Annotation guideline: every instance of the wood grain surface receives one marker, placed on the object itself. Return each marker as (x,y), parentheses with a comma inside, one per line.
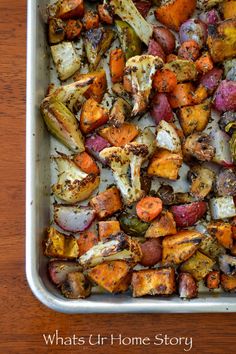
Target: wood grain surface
(23,319)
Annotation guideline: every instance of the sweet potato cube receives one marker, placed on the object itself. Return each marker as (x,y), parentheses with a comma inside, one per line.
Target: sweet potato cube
(182,95)
(173,13)
(222,40)
(86,240)
(119,136)
(114,276)
(163,226)
(195,118)
(199,265)
(223,232)
(228,282)
(70,9)
(228,9)
(98,86)
(178,248)
(60,245)
(153,282)
(93,115)
(107,228)
(213,279)
(165,164)
(107,202)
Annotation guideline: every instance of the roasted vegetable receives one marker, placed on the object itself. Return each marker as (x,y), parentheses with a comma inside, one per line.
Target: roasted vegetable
(199,146)
(86,163)
(211,80)
(230,69)
(193,29)
(127,11)
(92,116)
(228,9)
(117,64)
(164,80)
(211,247)
(204,63)
(133,226)
(121,110)
(178,248)
(153,282)
(163,226)
(221,143)
(90,20)
(59,245)
(227,264)
(97,41)
(73,185)
(73,218)
(76,286)
(207,4)
(160,108)
(198,265)
(86,240)
(148,208)
(165,164)
(189,50)
(73,29)
(107,203)
(227,122)
(210,17)
(56,30)
(155,49)
(202,179)
(225,96)
(94,144)
(117,247)
(70,8)
(222,208)
(62,123)
(213,280)
(151,252)
(173,13)
(66,59)
(108,228)
(58,270)
(139,71)
(183,95)
(223,232)
(222,39)
(188,214)
(130,42)
(226,183)
(184,70)
(187,286)
(167,137)
(167,195)
(165,38)
(114,276)
(143,6)
(228,282)
(119,136)
(98,85)
(195,118)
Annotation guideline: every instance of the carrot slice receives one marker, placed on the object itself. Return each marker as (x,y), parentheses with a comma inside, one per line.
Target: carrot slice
(117,64)
(148,208)
(86,163)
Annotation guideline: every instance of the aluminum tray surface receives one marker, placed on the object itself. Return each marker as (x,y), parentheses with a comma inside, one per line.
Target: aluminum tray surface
(40,175)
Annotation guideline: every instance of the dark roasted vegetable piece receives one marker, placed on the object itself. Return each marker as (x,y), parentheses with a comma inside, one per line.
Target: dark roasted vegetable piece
(199,146)
(152,252)
(97,41)
(132,225)
(130,42)
(187,286)
(58,270)
(153,282)
(76,286)
(202,179)
(143,6)
(213,280)
(56,30)
(165,38)
(226,183)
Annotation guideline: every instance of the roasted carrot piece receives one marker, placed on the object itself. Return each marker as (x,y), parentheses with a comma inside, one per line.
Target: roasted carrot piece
(164,81)
(105,13)
(90,20)
(70,9)
(228,282)
(117,65)
(86,163)
(107,202)
(148,208)
(171,57)
(204,63)
(86,241)
(93,115)
(119,136)
(189,50)
(182,95)
(223,232)
(213,279)
(73,29)
(97,89)
(200,94)
(107,228)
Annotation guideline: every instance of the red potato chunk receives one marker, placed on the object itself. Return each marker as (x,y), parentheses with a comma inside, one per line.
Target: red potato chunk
(188,214)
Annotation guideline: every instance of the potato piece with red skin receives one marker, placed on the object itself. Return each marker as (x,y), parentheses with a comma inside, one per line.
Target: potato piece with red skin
(213,279)
(155,49)
(160,108)
(188,288)
(152,252)
(143,6)
(188,214)
(165,38)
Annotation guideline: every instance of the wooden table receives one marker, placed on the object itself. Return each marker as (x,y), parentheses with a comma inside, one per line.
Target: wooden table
(23,319)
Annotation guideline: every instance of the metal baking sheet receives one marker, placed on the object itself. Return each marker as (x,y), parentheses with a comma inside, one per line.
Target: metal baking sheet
(39,176)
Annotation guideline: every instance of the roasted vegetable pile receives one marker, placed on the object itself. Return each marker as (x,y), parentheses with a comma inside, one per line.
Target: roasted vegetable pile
(151,104)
